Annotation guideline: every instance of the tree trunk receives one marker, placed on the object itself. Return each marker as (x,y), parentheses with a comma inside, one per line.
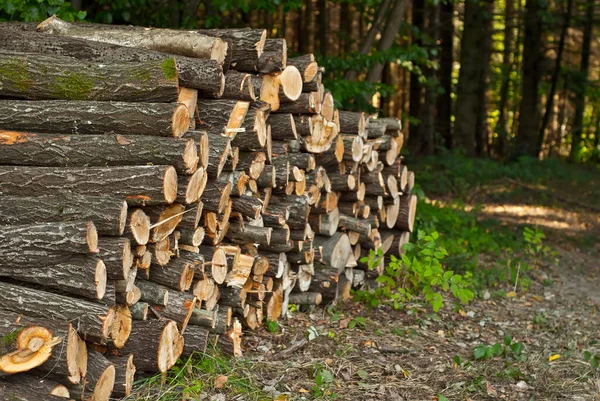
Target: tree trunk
(444,100)
(185,43)
(150,185)
(38,76)
(577,126)
(526,140)
(501,129)
(388,37)
(56,150)
(90,117)
(474,57)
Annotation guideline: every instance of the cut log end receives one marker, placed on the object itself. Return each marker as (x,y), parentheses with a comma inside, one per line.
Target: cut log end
(170,184)
(92,237)
(100,279)
(190,156)
(139,225)
(34,346)
(170,347)
(291,82)
(105,384)
(219,266)
(219,51)
(180,121)
(121,327)
(122,217)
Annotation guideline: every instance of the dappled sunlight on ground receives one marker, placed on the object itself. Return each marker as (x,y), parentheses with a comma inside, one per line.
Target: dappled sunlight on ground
(535,215)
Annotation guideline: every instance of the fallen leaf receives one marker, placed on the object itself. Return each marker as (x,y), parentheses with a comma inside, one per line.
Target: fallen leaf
(282,397)
(462,313)
(303,391)
(344,323)
(220,381)
(553,357)
(491,391)
(537,298)
(511,294)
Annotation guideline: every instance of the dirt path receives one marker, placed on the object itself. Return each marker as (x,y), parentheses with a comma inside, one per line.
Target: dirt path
(421,356)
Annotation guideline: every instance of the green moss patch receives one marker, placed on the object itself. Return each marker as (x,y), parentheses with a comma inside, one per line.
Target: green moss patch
(14,73)
(169,69)
(73,86)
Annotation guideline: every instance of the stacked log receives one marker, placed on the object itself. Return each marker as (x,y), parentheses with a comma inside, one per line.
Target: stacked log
(161,190)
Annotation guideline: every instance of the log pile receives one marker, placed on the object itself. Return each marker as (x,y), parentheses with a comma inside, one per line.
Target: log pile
(163,190)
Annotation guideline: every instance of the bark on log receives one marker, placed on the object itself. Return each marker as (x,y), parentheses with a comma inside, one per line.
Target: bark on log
(195,340)
(246,45)
(93,117)
(139,185)
(117,256)
(221,115)
(185,43)
(80,275)
(306,298)
(334,250)
(39,77)
(59,150)
(100,378)
(238,85)
(283,126)
(179,273)
(93,321)
(407,212)
(307,66)
(157,346)
(18,392)
(26,387)
(206,75)
(124,374)
(353,122)
(46,243)
(153,293)
(274,56)
(298,207)
(306,103)
(108,214)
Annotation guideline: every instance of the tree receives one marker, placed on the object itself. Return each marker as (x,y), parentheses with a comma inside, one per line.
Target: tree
(474,59)
(577,125)
(526,141)
(444,100)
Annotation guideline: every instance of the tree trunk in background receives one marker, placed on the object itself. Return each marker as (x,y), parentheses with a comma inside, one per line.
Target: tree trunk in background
(190,13)
(526,142)
(444,101)
(416,89)
(322,5)
(481,131)
(388,36)
(174,21)
(507,64)
(375,28)
(577,125)
(555,75)
(470,94)
(429,110)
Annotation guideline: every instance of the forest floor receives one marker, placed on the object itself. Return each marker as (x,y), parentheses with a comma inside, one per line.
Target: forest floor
(361,353)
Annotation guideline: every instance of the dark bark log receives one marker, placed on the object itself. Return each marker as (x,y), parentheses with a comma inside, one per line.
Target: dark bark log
(178,274)
(216,196)
(247,233)
(92,117)
(353,122)
(83,276)
(248,206)
(153,293)
(220,115)
(56,150)
(304,123)
(21,392)
(124,374)
(283,126)
(185,43)
(307,66)
(206,75)
(252,163)
(37,77)
(334,251)
(195,340)
(157,345)
(91,320)
(406,214)
(100,378)
(298,207)
(137,184)
(274,57)
(107,213)
(353,224)
(307,103)
(246,45)
(46,243)
(116,254)
(238,85)
(306,298)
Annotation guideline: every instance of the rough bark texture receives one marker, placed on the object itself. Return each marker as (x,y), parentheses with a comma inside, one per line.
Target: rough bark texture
(38,76)
(91,117)
(139,185)
(246,45)
(59,150)
(274,57)
(91,320)
(185,43)
(107,213)
(206,75)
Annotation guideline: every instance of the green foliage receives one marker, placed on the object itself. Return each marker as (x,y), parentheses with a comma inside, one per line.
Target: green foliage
(418,272)
(38,10)
(358,321)
(593,360)
(507,348)
(272,327)
(324,379)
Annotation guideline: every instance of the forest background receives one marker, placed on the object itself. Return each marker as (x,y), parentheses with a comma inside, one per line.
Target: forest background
(488,78)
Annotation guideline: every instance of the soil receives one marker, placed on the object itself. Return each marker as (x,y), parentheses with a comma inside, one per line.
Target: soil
(423,356)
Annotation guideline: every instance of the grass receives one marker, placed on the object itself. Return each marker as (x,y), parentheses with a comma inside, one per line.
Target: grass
(200,374)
